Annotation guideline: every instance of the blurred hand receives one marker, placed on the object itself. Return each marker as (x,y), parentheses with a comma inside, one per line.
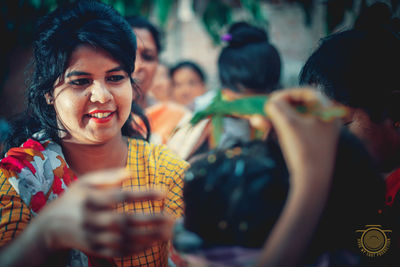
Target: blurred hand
(308,143)
(85,218)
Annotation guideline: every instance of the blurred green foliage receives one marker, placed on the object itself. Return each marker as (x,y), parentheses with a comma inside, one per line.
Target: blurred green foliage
(219,13)
(18,17)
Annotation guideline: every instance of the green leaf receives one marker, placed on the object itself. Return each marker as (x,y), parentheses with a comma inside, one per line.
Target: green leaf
(217,128)
(134,7)
(242,106)
(331,113)
(119,5)
(254,8)
(163,8)
(36,3)
(254,105)
(216,15)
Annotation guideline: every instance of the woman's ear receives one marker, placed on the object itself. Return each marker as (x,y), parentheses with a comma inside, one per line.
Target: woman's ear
(49,99)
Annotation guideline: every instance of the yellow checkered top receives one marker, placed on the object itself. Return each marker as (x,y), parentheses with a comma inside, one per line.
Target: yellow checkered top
(152,166)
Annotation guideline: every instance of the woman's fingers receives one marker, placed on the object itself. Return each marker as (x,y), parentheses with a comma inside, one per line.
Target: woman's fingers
(107,199)
(300,95)
(144,237)
(89,221)
(281,106)
(156,220)
(100,240)
(118,222)
(308,143)
(148,235)
(151,194)
(132,235)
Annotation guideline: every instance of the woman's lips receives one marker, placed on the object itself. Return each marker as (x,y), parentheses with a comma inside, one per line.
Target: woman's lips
(101,116)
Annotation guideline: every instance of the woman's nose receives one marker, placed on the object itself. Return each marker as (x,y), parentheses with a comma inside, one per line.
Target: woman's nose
(138,64)
(100,93)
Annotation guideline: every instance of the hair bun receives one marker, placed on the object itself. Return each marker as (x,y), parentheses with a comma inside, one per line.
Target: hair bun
(242,33)
(374,17)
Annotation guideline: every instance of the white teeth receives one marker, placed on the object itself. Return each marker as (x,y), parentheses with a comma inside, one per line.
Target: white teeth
(100,115)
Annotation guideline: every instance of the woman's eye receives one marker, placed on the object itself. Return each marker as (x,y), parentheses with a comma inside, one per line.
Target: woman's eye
(147,57)
(115,78)
(80,82)
(193,83)
(347,123)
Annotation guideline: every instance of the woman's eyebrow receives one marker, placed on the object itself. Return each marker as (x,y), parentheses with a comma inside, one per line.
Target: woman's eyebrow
(119,68)
(76,73)
(150,50)
(82,73)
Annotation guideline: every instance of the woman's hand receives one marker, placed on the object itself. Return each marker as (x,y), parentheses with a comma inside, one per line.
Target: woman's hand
(309,147)
(85,218)
(308,143)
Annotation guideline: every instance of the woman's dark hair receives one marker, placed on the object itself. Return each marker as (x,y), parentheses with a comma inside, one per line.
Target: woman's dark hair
(249,61)
(188,64)
(234,197)
(355,67)
(58,34)
(143,23)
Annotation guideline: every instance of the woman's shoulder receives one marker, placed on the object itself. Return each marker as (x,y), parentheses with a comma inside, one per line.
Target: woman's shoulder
(37,171)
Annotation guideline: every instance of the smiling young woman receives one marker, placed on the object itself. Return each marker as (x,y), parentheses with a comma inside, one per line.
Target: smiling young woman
(79,185)
(94,100)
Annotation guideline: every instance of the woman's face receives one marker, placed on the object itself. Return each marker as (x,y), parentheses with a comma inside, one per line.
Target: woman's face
(161,85)
(93,100)
(381,139)
(146,59)
(187,85)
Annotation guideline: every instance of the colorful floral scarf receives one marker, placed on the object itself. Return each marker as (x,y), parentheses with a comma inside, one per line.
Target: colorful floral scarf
(39,173)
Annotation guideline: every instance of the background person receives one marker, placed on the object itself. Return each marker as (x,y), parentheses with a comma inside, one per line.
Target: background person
(189,82)
(163,117)
(161,87)
(147,56)
(355,68)
(248,65)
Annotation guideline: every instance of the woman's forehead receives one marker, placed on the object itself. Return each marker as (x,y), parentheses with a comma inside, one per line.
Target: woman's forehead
(90,58)
(145,39)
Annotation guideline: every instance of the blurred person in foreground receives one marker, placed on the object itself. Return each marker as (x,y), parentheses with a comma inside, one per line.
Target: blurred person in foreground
(294,199)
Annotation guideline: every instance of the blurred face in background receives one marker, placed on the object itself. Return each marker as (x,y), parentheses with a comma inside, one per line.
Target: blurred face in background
(146,59)
(187,85)
(381,139)
(161,88)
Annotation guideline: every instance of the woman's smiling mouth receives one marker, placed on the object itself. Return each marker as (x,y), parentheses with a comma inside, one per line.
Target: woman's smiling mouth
(101,116)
